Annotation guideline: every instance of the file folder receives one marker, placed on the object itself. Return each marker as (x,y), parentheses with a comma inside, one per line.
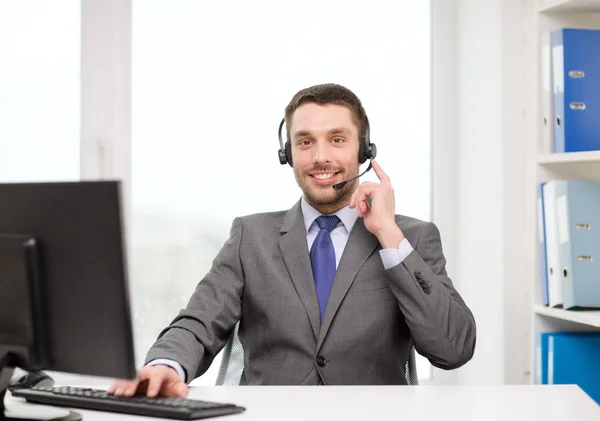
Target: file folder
(547,145)
(572,358)
(541,358)
(576,81)
(552,245)
(578,219)
(543,268)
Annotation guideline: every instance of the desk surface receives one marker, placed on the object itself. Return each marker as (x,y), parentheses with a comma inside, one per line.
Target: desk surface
(412,403)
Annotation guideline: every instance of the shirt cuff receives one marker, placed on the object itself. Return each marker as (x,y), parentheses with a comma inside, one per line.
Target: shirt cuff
(393,257)
(173,364)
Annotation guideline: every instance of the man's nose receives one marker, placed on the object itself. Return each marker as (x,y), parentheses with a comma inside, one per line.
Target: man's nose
(322,152)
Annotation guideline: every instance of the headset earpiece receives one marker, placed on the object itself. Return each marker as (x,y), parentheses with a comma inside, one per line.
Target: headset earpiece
(362,157)
(366,150)
(282,157)
(288,153)
(285,152)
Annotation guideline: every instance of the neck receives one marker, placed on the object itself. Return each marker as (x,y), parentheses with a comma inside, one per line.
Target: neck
(329,209)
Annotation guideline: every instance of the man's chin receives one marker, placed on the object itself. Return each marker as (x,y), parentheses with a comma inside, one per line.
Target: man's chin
(323,196)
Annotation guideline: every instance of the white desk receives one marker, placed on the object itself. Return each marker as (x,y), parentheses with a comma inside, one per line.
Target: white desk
(410,403)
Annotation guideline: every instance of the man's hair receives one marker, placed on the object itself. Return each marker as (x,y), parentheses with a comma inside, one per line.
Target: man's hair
(328,93)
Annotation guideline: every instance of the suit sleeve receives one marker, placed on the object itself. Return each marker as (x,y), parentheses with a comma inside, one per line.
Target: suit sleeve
(202,329)
(442,326)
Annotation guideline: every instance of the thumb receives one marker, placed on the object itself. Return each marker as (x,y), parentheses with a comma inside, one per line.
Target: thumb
(181,389)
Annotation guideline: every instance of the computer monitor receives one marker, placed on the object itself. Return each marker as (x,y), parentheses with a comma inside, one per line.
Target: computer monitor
(64,299)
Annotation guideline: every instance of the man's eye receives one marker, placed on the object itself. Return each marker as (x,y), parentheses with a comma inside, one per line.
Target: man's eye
(304,142)
(338,140)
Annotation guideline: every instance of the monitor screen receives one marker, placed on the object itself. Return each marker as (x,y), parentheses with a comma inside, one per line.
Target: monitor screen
(64,280)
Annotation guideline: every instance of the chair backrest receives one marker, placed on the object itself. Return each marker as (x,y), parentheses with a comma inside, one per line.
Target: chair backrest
(232,363)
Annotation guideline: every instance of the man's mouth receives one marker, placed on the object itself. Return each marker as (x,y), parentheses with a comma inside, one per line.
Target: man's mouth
(324,176)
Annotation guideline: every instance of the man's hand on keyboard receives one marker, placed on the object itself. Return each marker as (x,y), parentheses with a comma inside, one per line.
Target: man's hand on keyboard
(152,381)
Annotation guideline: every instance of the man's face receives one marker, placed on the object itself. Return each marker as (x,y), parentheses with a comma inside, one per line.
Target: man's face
(325,145)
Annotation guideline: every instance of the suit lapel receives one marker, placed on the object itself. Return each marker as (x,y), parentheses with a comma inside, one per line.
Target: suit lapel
(361,244)
(294,250)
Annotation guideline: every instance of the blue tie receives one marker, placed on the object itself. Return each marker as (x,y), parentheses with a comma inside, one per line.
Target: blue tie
(322,258)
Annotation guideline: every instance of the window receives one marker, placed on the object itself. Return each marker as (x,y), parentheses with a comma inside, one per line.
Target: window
(210,82)
(39,90)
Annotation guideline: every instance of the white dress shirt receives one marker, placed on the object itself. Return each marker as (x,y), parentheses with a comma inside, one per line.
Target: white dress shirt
(341,233)
(339,237)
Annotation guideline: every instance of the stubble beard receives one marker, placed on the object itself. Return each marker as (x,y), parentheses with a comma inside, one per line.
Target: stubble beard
(326,202)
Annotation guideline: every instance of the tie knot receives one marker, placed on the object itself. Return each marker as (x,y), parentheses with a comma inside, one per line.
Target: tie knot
(328,222)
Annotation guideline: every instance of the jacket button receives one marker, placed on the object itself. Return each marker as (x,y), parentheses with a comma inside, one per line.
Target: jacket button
(418,275)
(321,361)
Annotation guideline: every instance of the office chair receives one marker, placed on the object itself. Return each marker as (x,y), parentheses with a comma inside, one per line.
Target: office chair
(232,363)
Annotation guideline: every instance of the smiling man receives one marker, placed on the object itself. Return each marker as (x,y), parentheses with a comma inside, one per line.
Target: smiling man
(336,290)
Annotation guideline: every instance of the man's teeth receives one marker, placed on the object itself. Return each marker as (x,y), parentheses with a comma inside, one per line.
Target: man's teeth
(324,176)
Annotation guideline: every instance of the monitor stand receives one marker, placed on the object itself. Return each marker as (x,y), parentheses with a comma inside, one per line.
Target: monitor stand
(17,411)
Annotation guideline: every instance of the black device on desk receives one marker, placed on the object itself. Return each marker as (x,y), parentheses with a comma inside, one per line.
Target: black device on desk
(64,298)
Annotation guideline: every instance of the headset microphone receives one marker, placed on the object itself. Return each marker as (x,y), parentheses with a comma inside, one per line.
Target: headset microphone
(338,186)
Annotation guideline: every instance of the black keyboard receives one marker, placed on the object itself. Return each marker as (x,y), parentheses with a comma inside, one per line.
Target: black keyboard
(82,398)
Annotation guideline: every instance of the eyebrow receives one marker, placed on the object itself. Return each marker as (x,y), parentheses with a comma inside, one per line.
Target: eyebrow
(341,130)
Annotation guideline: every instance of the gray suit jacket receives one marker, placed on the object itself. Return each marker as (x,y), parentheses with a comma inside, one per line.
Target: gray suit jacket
(262,276)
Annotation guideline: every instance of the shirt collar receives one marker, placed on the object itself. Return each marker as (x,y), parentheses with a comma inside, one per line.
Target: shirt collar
(347,216)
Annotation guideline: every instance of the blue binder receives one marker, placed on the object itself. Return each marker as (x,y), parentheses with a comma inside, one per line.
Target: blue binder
(541,358)
(576,83)
(578,220)
(572,358)
(543,278)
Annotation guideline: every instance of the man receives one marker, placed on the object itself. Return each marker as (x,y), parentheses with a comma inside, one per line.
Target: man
(336,290)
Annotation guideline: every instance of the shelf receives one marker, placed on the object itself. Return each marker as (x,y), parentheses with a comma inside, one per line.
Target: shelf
(558,6)
(571,157)
(587,318)
(572,165)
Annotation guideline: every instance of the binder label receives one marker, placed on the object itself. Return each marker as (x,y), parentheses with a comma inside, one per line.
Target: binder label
(576,74)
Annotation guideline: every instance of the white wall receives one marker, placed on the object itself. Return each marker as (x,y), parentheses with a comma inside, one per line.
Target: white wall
(39,90)
(481,111)
(209,90)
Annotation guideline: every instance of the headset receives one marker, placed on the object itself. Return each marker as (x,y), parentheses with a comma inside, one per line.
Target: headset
(367,150)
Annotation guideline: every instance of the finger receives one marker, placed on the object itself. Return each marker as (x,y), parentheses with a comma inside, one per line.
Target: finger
(383,177)
(121,387)
(155,383)
(175,388)
(353,198)
(131,388)
(113,387)
(354,195)
(361,202)
(182,389)
(364,205)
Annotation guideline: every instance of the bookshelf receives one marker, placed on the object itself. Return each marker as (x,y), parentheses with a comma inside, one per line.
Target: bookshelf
(574,165)
(566,6)
(550,15)
(589,319)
